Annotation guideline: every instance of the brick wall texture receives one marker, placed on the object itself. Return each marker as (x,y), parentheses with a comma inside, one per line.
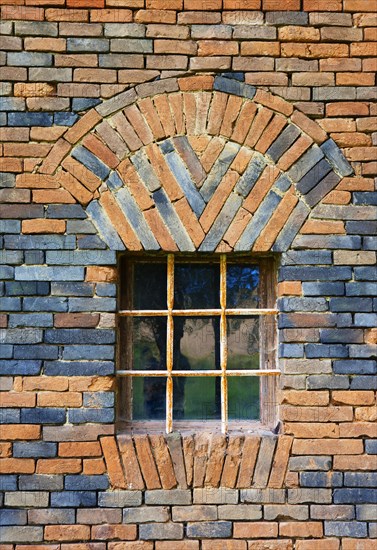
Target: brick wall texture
(186,125)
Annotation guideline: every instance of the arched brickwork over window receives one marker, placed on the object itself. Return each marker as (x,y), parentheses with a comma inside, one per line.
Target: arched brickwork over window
(202,163)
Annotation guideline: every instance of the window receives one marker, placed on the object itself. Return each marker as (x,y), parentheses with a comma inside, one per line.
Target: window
(197,341)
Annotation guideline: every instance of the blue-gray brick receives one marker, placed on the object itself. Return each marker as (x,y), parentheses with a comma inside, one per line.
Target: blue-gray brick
(34,449)
(43,273)
(10,304)
(234,87)
(20,368)
(354,529)
(355,366)
(104,226)
(27,288)
(86,482)
(82,416)
(88,45)
(336,158)
(65,211)
(364,383)
(30,119)
(314,273)
(371,446)
(89,160)
(72,289)
(321,479)
(209,530)
(21,534)
(77,499)
(355,496)
(29,59)
(161,531)
(79,368)
(283,142)
(43,416)
(41,482)
(322,350)
(360,479)
(173,222)
(79,336)
(342,336)
(323,289)
(50,516)
(13,517)
(98,353)
(91,304)
(37,351)
(327,381)
(98,399)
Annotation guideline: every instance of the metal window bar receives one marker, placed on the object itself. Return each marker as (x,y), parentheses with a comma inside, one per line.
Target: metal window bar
(222,313)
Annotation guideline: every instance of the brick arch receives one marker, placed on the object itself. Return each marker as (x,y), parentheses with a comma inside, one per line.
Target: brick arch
(199,163)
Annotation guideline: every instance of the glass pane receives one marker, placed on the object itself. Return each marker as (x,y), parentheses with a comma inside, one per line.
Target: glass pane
(242,286)
(150,283)
(196,343)
(243,342)
(196,398)
(243,398)
(149,343)
(197,286)
(148,398)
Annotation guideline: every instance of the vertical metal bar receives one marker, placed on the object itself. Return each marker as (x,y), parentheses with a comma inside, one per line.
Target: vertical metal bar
(223,346)
(169,344)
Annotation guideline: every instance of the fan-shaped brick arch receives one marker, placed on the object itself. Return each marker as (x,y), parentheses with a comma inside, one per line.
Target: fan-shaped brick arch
(198,163)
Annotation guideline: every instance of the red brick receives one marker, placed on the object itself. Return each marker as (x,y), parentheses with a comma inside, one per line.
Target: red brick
(73,320)
(160,231)
(59,399)
(16,465)
(101,151)
(231,113)
(216,112)
(146,462)
(58,466)
(67,532)
(119,221)
(121,532)
(189,220)
(43,226)
(17,399)
(114,467)
(163,110)
(93,466)
(5,452)
(47,196)
(83,126)
(363,49)
(255,529)
(323,227)
(99,274)
(347,109)
(322,5)
(55,156)
(36,181)
(355,79)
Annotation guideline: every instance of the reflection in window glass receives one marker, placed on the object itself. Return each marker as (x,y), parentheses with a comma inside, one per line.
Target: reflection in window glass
(243,342)
(199,399)
(196,343)
(149,343)
(196,286)
(149,290)
(242,286)
(148,398)
(243,398)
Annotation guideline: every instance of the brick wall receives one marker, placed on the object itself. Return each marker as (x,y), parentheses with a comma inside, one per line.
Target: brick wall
(116,118)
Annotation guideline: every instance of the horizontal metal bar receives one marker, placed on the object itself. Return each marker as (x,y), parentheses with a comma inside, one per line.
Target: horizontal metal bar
(166,374)
(193,312)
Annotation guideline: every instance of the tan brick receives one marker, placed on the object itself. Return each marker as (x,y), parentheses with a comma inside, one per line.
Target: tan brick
(181,545)
(83,126)
(267,79)
(358,429)
(67,532)
(111,16)
(80,173)
(155,16)
(327,447)
(218,199)
(15,432)
(11,165)
(130,463)
(91,383)
(291,5)
(255,529)
(353,397)
(280,462)
(163,110)
(241,5)
(355,463)
(22,12)
(355,79)
(231,113)
(51,383)
(190,221)
(322,5)
(331,544)
(37,181)
(293,33)
(134,545)
(323,227)
(270,544)
(313,79)
(113,464)
(58,466)
(301,529)
(55,156)
(101,151)
(17,465)
(59,399)
(3,320)
(160,231)
(352,257)
(312,430)
(37,89)
(338,124)
(99,274)
(366,414)
(258,126)
(15,399)
(216,113)
(196,83)
(73,320)
(139,124)
(314,51)
(260,49)
(306,398)
(43,226)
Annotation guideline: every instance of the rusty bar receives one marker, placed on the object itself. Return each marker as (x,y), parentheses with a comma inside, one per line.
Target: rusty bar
(223,346)
(194,312)
(170,345)
(243,372)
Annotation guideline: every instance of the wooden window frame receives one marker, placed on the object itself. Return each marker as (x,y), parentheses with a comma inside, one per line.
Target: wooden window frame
(267,372)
